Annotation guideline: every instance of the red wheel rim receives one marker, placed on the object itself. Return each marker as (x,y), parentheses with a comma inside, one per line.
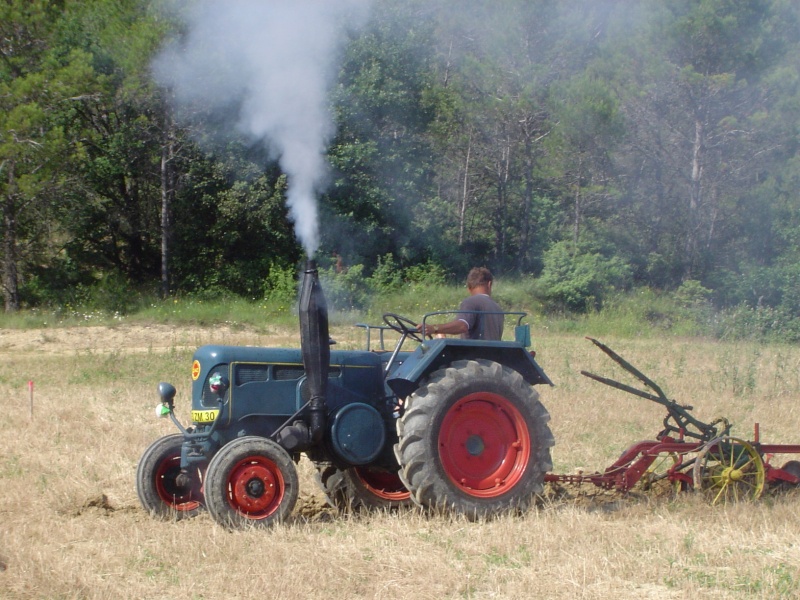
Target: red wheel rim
(177,497)
(256,487)
(383,484)
(484,445)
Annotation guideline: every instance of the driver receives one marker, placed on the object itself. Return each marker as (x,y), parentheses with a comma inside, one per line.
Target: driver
(471,322)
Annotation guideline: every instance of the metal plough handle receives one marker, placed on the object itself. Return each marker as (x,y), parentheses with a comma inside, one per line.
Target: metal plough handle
(680,414)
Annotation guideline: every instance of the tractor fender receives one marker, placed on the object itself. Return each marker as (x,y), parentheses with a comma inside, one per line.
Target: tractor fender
(435,354)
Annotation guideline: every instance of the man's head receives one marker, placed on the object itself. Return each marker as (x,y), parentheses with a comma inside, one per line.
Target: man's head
(479,277)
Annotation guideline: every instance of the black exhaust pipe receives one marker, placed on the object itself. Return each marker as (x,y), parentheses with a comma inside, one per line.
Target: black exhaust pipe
(315,346)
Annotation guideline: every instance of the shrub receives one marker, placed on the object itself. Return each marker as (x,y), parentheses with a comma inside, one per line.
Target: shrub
(111,293)
(281,284)
(427,274)
(579,281)
(691,294)
(387,277)
(347,290)
(762,323)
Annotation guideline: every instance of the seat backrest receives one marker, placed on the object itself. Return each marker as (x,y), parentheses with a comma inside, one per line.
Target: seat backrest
(522,335)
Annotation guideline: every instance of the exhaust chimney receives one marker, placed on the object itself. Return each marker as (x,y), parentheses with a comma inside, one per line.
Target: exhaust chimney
(315,346)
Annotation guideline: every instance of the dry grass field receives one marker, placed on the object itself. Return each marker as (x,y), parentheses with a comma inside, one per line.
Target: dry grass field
(71,525)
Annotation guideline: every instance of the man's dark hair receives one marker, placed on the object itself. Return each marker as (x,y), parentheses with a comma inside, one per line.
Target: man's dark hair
(479,276)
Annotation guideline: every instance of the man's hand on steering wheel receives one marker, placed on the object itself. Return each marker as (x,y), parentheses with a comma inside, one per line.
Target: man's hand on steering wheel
(403,326)
(428,329)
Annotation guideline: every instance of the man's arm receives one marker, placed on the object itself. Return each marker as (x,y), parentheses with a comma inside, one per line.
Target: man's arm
(454,327)
(458,326)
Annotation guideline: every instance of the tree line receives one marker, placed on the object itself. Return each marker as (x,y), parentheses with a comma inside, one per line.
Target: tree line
(591,145)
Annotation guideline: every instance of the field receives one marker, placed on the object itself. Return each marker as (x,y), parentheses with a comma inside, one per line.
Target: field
(71,525)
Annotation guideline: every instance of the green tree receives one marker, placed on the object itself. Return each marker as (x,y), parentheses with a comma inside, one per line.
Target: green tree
(42,87)
(381,155)
(590,126)
(695,144)
(232,229)
(522,128)
(125,139)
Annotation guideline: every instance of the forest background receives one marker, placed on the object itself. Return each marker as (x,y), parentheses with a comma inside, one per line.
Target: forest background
(596,154)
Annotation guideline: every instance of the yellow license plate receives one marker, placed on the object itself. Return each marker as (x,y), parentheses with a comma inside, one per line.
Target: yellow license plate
(204,416)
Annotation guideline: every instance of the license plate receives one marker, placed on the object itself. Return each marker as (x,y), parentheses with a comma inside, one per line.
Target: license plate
(204,416)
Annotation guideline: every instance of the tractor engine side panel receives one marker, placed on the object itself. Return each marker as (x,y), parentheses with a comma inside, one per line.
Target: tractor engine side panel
(268,385)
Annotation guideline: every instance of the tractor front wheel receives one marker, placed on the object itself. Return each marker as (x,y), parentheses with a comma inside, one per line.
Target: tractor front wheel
(370,488)
(251,481)
(163,490)
(474,439)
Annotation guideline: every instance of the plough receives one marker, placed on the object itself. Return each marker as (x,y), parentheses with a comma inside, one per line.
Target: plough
(688,453)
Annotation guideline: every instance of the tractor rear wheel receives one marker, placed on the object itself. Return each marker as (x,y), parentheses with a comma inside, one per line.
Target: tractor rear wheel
(356,488)
(163,491)
(251,481)
(474,439)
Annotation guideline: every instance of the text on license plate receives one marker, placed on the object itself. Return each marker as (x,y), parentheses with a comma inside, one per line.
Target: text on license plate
(204,416)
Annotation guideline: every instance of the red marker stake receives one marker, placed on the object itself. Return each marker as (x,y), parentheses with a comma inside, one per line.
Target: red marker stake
(30,389)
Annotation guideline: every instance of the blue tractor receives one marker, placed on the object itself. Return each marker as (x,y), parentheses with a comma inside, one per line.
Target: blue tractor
(452,424)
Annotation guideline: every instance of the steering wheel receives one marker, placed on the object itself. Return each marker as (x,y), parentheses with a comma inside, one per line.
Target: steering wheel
(402,325)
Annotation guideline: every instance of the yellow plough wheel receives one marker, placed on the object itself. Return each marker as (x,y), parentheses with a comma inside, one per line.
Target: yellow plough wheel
(728,469)
(655,477)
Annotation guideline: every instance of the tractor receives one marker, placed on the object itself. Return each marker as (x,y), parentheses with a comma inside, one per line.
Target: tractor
(450,424)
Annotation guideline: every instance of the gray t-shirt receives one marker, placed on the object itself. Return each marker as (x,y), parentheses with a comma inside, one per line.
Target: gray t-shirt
(481,326)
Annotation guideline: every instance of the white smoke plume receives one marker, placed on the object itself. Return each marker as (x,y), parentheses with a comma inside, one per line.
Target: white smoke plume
(272,62)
